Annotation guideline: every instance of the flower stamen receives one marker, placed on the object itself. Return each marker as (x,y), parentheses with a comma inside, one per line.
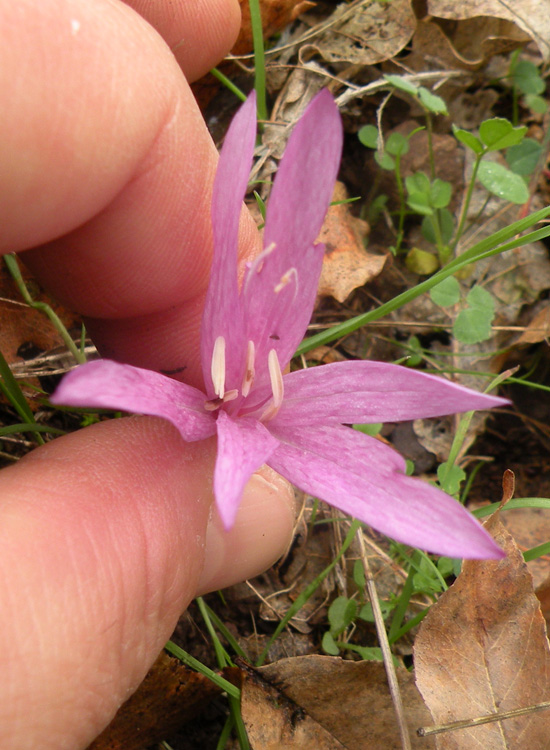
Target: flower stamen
(285,280)
(277,386)
(249,371)
(217,369)
(258,263)
(215,403)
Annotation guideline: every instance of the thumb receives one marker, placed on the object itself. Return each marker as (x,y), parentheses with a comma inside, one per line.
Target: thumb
(102,542)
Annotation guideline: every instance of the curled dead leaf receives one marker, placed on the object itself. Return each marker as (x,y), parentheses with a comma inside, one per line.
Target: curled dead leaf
(347,265)
(531,16)
(468,45)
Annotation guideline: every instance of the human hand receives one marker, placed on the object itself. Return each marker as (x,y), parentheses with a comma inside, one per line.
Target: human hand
(106,534)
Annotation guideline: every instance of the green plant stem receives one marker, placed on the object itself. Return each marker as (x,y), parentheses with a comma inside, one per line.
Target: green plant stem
(431,156)
(259,57)
(467,200)
(434,218)
(402,204)
(228,83)
(15,271)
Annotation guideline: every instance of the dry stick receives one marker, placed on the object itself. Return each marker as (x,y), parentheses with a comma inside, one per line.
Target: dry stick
(465,723)
(385,647)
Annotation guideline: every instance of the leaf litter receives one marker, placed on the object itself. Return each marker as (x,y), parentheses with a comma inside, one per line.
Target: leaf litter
(482,647)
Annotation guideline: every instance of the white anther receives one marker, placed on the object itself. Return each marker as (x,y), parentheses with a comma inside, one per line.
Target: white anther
(217,369)
(285,279)
(277,387)
(250,371)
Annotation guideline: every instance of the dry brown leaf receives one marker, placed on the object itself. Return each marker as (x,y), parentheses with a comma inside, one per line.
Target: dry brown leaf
(349,700)
(275,722)
(346,265)
(538,329)
(366,32)
(170,695)
(468,45)
(532,16)
(482,649)
(24,325)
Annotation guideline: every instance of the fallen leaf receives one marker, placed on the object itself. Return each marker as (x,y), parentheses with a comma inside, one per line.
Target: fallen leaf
(27,332)
(275,722)
(349,701)
(366,32)
(483,648)
(468,45)
(346,265)
(170,695)
(532,16)
(538,329)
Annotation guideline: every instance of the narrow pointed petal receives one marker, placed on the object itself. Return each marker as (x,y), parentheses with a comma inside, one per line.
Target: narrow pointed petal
(365,392)
(280,291)
(243,446)
(222,314)
(362,477)
(110,385)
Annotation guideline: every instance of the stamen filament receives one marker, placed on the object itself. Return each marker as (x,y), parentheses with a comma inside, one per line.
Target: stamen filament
(249,371)
(277,386)
(217,370)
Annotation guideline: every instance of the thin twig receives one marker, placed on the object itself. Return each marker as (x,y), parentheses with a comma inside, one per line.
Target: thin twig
(385,647)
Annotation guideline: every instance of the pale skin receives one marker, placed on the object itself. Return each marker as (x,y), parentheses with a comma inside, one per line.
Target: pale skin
(106,169)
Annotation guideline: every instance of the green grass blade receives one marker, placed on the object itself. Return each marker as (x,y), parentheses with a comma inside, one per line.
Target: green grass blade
(12,391)
(29,427)
(198,666)
(492,245)
(259,57)
(228,83)
(518,502)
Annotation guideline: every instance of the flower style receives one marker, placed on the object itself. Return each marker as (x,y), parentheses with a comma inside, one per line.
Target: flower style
(296,423)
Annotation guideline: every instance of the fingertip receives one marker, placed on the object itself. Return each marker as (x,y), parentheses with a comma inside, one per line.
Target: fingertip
(262,533)
(199,34)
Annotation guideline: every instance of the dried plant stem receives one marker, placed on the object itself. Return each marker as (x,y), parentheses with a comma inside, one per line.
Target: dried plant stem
(465,723)
(385,646)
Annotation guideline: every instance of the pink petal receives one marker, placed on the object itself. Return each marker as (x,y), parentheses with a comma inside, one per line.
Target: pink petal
(222,314)
(279,291)
(361,476)
(243,446)
(364,392)
(111,385)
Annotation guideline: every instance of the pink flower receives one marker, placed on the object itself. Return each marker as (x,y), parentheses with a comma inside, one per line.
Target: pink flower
(295,423)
